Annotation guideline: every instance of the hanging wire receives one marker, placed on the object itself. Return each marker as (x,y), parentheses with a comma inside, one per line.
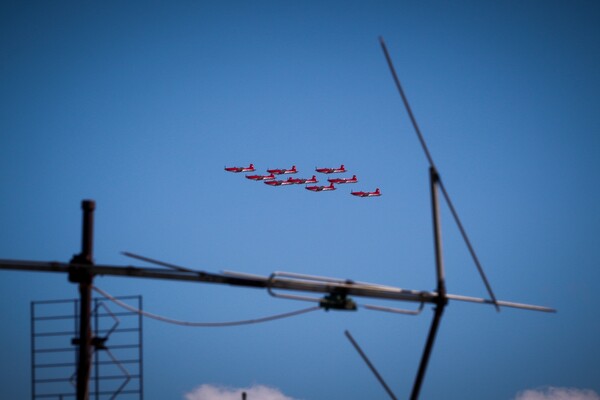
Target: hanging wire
(202,324)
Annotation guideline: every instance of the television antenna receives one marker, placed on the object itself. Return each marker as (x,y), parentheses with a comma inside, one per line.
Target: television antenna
(81,270)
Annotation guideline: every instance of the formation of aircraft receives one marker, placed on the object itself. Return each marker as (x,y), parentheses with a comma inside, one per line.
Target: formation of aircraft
(249,168)
(271,180)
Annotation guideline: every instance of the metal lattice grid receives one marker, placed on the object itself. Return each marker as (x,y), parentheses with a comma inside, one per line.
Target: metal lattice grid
(117,358)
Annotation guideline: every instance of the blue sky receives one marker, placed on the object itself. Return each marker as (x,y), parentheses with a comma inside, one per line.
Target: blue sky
(140,105)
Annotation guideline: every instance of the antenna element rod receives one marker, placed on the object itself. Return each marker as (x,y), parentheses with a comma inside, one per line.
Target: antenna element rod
(432,165)
(406,104)
(371,366)
(469,245)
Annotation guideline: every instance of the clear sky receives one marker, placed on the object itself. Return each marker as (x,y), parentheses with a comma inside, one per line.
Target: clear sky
(139,105)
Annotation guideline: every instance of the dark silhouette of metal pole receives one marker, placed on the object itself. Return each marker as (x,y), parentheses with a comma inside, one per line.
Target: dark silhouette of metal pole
(81,274)
(441,299)
(370,365)
(434,181)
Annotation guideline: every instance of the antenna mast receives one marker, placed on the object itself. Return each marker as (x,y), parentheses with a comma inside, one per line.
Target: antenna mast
(441,300)
(81,273)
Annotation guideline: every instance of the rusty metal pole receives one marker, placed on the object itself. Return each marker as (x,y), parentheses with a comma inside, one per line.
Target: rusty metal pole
(81,274)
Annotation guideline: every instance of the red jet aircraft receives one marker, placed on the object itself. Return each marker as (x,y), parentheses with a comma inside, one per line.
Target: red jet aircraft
(278,183)
(343,180)
(280,171)
(249,168)
(367,194)
(331,170)
(300,181)
(261,177)
(320,188)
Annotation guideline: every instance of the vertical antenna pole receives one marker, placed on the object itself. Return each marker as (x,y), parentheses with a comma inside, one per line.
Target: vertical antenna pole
(87,231)
(442,300)
(434,180)
(97,360)
(82,275)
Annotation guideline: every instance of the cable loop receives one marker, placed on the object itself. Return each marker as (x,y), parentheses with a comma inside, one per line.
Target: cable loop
(201,324)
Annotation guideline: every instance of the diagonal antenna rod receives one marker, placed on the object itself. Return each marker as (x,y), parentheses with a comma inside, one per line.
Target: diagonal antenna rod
(157,262)
(370,365)
(432,165)
(468,243)
(406,105)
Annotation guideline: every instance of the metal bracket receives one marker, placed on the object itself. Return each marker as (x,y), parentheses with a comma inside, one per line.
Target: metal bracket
(336,300)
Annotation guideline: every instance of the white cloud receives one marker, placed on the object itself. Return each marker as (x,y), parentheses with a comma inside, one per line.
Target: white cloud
(256,392)
(554,393)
